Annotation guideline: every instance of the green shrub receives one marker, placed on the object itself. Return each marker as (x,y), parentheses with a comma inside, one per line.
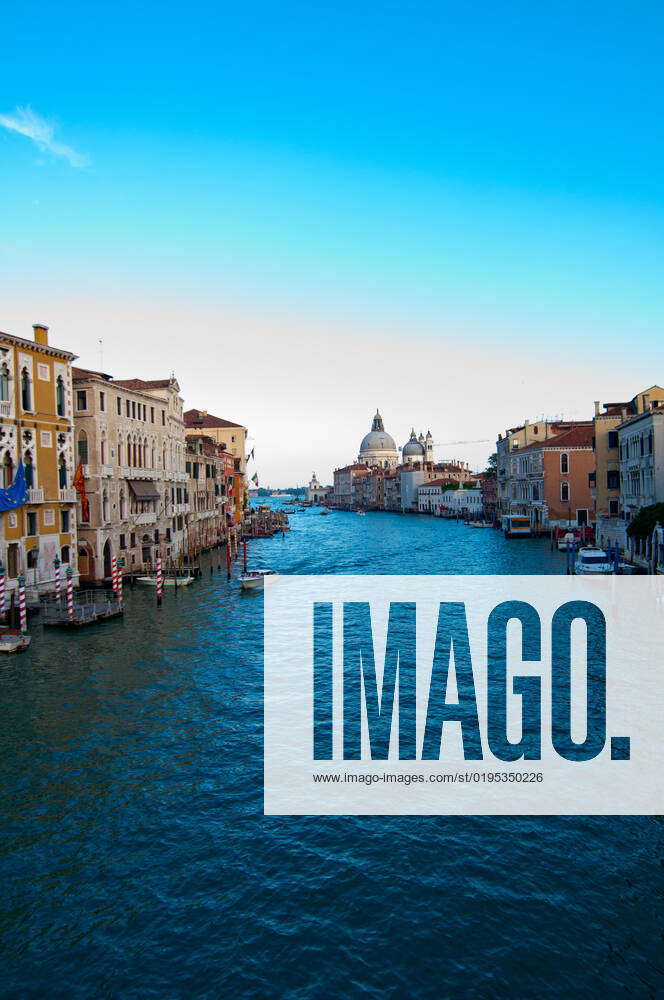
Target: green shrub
(645,521)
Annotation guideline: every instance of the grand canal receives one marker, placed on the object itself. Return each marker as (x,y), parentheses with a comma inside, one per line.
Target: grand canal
(136,860)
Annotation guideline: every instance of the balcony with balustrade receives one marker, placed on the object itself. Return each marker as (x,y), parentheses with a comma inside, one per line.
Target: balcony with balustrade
(134,472)
(146,517)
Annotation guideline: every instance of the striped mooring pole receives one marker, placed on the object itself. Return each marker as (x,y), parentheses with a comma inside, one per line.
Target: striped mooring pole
(58,578)
(70,593)
(160,582)
(3,594)
(114,574)
(118,592)
(23,617)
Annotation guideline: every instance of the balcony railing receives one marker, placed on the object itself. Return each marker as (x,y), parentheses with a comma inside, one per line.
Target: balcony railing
(106,470)
(35,495)
(68,495)
(5,407)
(133,472)
(147,517)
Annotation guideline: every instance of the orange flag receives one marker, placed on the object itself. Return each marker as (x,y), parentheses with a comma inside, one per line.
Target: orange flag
(79,486)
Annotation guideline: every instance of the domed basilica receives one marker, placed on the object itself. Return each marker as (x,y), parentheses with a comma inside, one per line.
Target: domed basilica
(378,449)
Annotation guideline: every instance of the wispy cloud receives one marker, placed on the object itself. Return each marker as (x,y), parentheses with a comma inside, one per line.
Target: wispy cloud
(27,122)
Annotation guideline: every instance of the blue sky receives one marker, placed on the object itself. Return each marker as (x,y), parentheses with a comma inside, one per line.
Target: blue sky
(419,173)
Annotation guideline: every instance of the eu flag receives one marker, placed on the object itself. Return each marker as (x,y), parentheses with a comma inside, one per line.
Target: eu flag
(16,494)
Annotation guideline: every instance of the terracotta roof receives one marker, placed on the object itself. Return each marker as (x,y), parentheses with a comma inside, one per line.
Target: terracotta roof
(577,437)
(202,419)
(81,373)
(139,383)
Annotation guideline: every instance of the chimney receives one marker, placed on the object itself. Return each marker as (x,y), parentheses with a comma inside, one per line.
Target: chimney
(41,334)
(646,402)
(623,413)
(597,407)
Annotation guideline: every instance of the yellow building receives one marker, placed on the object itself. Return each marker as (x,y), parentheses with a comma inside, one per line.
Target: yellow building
(36,426)
(605,483)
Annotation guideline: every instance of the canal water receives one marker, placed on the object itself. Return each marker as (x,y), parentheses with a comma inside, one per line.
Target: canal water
(136,861)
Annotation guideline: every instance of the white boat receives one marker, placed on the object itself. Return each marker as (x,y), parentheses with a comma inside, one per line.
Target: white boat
(568,537)
(592,560)
(13,642)
(361,513)
(254,578)
(168,580)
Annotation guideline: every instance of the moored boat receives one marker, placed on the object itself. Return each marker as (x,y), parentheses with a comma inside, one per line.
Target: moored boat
(252,579)
(169,580)
(568,540)
(593,560)
(13,642)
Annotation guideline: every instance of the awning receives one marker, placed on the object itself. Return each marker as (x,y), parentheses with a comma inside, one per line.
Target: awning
(143,489)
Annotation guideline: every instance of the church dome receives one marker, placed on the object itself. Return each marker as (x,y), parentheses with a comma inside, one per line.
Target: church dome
(378,447)
(413,448)
(377,441)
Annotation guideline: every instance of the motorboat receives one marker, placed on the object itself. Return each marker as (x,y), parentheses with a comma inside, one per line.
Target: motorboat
(252,579)
(592,560)
(568,540)
(13,642)
(168,580)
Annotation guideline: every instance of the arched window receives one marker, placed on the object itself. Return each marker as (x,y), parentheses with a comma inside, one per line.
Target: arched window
(119,449)
(29,470)
(152,461)
(102,449)
(64,554)
(4,382)
(7,471)
(564,463)
(104,506)
(123,505)
(26,394)
(564,491)
(32,558)
(60,396)
(83,447)
(62,471)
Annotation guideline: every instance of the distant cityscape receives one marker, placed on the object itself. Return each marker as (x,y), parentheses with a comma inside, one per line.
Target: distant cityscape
(603,477)
(100,472)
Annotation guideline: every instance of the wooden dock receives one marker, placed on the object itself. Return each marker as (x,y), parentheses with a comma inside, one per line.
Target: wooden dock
(90,607)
